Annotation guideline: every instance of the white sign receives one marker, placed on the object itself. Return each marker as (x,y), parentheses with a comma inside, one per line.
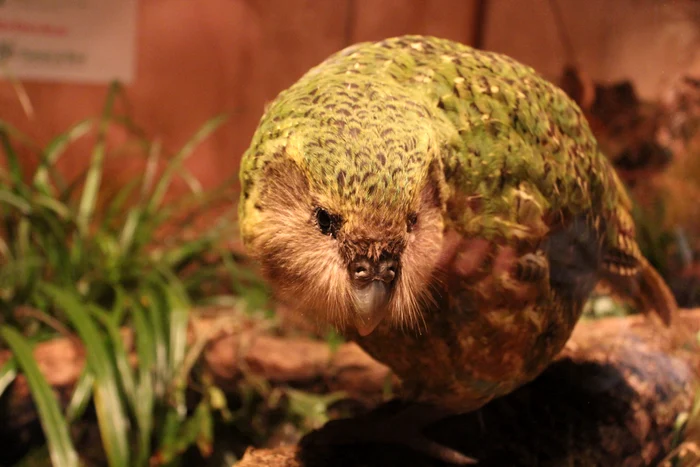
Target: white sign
(89,41)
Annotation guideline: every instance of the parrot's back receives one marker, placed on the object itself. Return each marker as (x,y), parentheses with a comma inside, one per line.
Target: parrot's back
(520,159)
(505,128)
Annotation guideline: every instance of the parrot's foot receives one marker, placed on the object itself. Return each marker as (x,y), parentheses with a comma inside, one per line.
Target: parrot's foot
(402,427)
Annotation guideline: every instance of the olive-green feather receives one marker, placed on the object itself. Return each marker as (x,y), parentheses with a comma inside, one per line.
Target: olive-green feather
(513,142)
(515,150)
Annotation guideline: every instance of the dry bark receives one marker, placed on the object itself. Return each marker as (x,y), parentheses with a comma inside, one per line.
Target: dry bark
(612,398)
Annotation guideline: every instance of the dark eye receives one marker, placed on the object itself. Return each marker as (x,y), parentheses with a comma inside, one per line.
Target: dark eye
(411,221)
(328,223)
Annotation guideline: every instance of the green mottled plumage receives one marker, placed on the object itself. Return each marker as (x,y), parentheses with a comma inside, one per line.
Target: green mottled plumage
(518,168)
(499,123)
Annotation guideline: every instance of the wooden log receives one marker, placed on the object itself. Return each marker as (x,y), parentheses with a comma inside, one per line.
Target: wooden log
(612,398)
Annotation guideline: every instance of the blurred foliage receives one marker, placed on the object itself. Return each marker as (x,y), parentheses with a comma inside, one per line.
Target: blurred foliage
(655,147)
(685,451)
(76,262)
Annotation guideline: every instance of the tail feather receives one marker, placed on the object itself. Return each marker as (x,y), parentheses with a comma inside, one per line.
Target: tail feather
(655,293)
(646,289)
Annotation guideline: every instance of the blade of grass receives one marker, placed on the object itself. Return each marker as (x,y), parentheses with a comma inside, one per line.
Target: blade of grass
(11,272)
(24,250)
(155,307)
(53,205)
(55,149)
(144,389)
(182,255)
(15,133)
(8,373)
(200,343)
(118,202)
(16,201)
(179,158)
(311,408)
(135,218)
(166,302)
(168,436)
(198,429)
(179,319)
(20,91)
(88,199)
(37,457)
(12,157)
(67,192)
(51,236)
(192,182)
(82,393)
(151,165)
(111,415)
(55,428)
(121,356)
(175,299)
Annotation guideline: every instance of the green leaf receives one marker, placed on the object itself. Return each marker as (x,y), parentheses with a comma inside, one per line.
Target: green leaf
(14,132)
(38,457)
(54,205)
(312,408)
(16,175)
(55,149)
(82,393)
(198,430)
(154,152)
(178,159)
(118,202)
(16,201)
(144,389)
(179,319)
(334,339)
(156,307)
(126,239)
(55,428)
(121,357)
(168,437)
(111,414)
(88,200)
(19,89)
(175,308)
(8,373)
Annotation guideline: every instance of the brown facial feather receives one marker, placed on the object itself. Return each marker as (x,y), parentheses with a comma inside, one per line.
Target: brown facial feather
(310,269)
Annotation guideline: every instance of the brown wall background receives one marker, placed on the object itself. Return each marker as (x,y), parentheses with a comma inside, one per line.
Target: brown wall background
(196,59)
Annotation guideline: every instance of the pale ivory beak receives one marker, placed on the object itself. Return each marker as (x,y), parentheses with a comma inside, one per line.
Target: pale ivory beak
(370,306)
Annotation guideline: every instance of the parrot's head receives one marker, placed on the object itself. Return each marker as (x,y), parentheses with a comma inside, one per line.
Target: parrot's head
(342,201)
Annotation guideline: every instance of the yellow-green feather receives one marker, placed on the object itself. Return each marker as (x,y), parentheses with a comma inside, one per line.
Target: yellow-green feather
(366,123)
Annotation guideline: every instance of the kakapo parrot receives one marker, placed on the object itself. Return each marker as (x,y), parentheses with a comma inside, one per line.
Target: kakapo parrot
(445,207)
